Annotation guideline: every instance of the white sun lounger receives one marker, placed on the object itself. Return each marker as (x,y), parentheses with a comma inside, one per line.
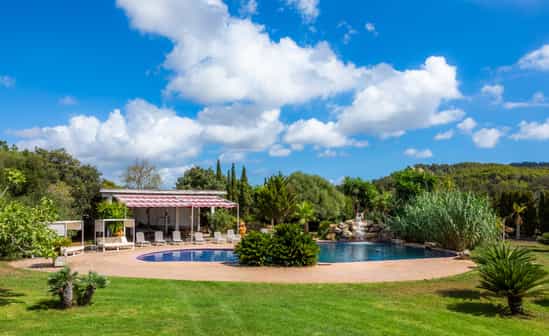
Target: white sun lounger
(140,239)
(114,243)
(232,237)
(159,238)
(199,238)
(176,238)
(218,238)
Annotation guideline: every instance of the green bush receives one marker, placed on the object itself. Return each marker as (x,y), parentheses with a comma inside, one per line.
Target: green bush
(456,220)
(221,220)
(71,287)
(323,229)
(113,210)
(510,272)
(291,246)
(253,249)
(544,238)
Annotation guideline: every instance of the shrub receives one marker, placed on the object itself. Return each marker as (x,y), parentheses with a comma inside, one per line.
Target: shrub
(70,287)
(510,272)
(253,249)
(23,229)
(544,238)
(85,287)
(323,229)
(456,220)
(113,210)
(221,220)
(291,246)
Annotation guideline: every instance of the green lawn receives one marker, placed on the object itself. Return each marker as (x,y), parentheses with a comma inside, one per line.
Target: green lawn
(450,306)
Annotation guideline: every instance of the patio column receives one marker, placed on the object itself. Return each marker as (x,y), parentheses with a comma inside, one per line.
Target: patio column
(192,223)
(176,219)
(198,229)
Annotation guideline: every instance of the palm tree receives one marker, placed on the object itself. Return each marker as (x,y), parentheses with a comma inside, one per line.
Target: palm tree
(86,286)
(305,213)
(510,272)
(518,210)
(61,284)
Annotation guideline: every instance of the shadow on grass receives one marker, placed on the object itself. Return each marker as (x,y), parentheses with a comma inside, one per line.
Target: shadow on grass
(542,302)
(7,296)
(478,308)
(46,304)
(457,293)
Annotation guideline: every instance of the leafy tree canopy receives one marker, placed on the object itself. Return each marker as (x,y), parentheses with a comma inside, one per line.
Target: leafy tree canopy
(200,179)
(142,175)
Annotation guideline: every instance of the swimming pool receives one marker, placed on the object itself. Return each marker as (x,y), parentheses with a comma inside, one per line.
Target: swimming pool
(329,253)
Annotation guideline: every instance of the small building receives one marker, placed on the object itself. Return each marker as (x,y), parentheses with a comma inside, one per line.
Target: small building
(169,210)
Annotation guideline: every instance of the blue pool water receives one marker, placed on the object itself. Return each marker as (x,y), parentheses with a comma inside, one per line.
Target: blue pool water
(329,253)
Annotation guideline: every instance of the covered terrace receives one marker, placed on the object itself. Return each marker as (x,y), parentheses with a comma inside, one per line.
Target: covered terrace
(170,210)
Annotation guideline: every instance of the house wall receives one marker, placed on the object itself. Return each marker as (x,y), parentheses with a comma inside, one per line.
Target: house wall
(156,218)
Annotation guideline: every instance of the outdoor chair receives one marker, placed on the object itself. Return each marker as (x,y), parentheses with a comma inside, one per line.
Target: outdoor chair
(176,238)
(218,238)
(232,237)
(199,238)
(140,239)
(159,238)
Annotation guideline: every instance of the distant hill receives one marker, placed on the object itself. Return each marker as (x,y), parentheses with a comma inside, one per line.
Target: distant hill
(491,178)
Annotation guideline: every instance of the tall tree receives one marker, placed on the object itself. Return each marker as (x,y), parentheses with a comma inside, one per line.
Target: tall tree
(543,211)
(274,201)
(518,210)
(218,172)
(305,213)
(228,185)
(410,182)
(234,184)
(200,179)
(362,192)
(245,193)
(142,175)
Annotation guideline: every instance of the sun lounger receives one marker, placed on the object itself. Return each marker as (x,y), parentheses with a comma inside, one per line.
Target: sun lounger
(72,250)
(218,238)
(176,238)
(199,238)
(232,237)
(140,239)
(159,238)
(117,243)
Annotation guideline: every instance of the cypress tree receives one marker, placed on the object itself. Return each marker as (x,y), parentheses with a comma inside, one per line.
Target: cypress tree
(234,184)
(244,195)
(228,186)
(218,172)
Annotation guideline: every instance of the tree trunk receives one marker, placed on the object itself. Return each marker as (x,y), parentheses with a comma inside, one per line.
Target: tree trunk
(87,296)
(515,304)
(518,232)
(306,227)
(67,295)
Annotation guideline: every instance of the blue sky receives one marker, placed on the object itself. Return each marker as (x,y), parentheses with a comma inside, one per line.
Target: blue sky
(335,88)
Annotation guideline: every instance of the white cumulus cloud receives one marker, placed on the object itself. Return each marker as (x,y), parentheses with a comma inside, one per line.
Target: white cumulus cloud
(308,8)
(532,131)
(418,153)
(537,100)
(394,101)
(279,150)
(467,125)
(494,91)
(536,60)
(444,135)
(487,137)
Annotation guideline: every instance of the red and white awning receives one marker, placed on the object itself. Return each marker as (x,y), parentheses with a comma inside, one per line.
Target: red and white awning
(173,201)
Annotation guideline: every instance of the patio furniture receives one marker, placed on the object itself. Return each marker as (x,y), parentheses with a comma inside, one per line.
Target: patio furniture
(176,238)
(140,239)
(264,230)
(199,238)
(107,243)
(232,237)
(159,238)
(72,250)
(218,238)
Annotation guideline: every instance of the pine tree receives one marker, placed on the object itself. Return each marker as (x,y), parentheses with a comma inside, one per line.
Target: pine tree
(245,193)
(218,172)
(543,212)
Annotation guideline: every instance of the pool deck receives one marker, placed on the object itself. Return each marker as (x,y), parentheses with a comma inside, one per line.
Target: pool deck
(126,264)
